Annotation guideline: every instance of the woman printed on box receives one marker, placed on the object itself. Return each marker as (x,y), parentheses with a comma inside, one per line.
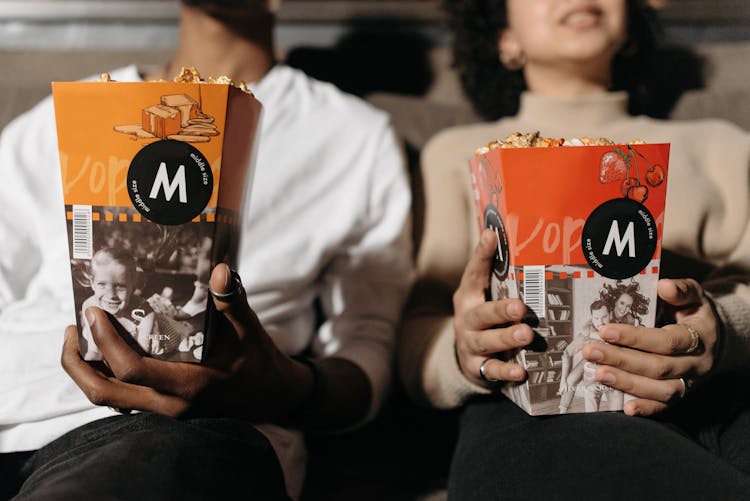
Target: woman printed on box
(618,304)
(625,302)
(574,68)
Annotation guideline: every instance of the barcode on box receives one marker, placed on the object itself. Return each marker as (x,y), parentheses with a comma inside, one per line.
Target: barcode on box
(82,237)
(534,289)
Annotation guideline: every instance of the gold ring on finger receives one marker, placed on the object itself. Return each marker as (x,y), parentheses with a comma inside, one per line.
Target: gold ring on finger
(695,339)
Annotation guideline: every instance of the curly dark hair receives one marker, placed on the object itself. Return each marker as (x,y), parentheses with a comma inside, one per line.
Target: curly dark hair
(609,294)
(494,90)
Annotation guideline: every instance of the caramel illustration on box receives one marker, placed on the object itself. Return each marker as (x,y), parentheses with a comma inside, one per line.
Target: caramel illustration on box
(177,117)
(154,176)
(578,225)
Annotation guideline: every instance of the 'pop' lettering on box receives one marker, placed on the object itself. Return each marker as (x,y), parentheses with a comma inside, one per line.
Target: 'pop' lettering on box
(579,241)
(153,179)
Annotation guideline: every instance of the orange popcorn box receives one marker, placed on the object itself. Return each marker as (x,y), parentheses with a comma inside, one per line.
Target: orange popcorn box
(153,178)
(578,231)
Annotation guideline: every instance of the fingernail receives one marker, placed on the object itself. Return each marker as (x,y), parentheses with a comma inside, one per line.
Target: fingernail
(606,378)
(486,237)
(90,316)
(595,355)
(514,310)
(516,373)
(609,334)
(228,279)
(521,335)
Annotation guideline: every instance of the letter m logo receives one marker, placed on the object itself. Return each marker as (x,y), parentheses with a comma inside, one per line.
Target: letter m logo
(162,181)
(498,252)
(614,238)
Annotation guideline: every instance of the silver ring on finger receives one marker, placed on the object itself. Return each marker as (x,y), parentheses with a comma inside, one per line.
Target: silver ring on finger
(482,374)
(687,385)
(233,293)
(695,339)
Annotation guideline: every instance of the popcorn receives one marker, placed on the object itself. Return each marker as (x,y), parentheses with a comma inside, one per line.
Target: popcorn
(223,79)
(189,74)
(535,140)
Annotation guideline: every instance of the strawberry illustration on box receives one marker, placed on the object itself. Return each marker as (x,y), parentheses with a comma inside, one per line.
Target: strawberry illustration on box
(578,224)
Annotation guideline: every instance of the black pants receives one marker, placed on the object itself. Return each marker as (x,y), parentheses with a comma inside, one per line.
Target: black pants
(148,456)
(699,450)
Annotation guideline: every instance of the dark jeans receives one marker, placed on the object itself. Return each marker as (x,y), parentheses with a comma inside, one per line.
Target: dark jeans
(699,450)
(148,456)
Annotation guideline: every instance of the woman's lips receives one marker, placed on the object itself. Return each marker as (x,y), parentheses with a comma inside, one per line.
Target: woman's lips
(582,18)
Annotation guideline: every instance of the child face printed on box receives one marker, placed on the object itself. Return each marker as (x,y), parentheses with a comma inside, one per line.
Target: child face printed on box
(111,282)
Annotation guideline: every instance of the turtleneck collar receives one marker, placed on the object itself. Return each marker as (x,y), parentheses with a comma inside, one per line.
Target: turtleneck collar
(562,113)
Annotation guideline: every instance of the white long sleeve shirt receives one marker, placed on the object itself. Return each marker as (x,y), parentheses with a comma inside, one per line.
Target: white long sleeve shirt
(327,220)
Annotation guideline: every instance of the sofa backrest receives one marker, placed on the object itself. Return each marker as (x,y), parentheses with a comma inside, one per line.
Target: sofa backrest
(726,94)
(26,78)
(26,75)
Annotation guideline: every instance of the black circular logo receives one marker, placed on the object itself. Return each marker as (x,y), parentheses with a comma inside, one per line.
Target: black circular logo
(170,182)
(619,238)
(501,262)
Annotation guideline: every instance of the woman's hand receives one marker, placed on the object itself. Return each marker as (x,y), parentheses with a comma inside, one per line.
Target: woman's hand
(658,365)
(246,375)
(476,321)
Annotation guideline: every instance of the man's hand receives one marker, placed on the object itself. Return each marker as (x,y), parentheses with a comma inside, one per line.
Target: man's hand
(658,365)
(245,376)
(478,337)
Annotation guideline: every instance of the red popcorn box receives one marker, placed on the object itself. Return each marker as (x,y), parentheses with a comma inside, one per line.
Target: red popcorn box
(579,242)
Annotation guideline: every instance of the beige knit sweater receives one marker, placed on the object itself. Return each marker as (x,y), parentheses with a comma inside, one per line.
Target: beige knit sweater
(707,217)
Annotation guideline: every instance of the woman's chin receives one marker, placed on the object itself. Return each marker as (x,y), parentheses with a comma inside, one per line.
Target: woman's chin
(588,47)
